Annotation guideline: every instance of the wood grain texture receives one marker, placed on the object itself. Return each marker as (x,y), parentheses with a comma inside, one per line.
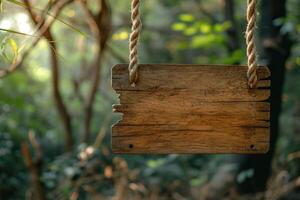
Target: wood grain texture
(191,109)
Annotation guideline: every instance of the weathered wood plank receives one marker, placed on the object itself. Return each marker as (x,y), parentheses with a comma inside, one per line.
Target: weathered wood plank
(197,118)
(209,95)
(181,76)
(248,140)
(208,108)
(191,109)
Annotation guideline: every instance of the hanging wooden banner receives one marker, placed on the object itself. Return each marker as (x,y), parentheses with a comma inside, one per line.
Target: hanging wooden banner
(191,109)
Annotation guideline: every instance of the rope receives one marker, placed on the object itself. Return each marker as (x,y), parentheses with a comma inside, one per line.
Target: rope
(136,29)
(251,49)
(133,42)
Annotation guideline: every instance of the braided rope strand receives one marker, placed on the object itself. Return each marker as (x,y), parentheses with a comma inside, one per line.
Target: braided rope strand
(133,42)
(251,49)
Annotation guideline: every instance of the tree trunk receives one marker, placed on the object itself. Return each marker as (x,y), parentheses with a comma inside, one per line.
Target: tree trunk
(34,167)
(60,105)
(59,102)
(276,48)
(232,33)
(100,25)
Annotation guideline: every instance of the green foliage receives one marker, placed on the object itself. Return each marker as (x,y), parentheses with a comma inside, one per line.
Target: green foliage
(201,33)
(13,172)
(1,5)
(9,49)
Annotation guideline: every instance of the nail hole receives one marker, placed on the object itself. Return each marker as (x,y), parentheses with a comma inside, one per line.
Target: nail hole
(130,146)
(252,146)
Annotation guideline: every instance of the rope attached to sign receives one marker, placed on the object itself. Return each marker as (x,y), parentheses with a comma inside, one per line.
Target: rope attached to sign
(251,50)
(133,42)
(136,29)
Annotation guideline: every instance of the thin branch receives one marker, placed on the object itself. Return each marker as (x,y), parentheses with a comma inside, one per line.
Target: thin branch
(279,192)
(293,156)
(36,147)
(102,131)
(100,27)
(42,30)
(34,166)
(61,107)
(232,32)
(17,32)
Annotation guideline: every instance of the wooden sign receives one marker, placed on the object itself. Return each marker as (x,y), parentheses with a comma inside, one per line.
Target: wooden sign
(191,109)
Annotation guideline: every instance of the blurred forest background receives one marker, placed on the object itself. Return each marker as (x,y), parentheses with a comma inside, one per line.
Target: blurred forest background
(56,97)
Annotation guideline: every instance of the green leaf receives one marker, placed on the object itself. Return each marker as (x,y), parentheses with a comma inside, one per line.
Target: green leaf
(204,27)
(190,31)
(155,163)
(2,48)
(17,3)
(222,27)
(16,32)
(186,18)
(298,61)
(12,43)
(197,181)
(1,5)
(178,26)
(9,49)
(205,41)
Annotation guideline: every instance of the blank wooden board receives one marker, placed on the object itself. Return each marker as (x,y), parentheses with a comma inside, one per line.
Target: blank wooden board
(191,109)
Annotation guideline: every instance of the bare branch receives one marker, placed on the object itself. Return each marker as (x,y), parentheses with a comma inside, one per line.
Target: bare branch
(34,166)
(42,30)
(232,32)
(100,26)
(36,147)
(102,131)
(61,107)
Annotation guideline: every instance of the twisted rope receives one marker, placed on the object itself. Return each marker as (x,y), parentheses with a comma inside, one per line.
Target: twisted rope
(133,42)
(136,29)
(251,49)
